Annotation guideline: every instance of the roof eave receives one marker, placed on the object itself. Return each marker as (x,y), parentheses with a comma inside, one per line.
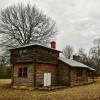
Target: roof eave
(35,45)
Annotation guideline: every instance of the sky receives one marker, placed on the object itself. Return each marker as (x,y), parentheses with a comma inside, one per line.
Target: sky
(77,21)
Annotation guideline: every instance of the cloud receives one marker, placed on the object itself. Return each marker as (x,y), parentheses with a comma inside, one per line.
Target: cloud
(78,21)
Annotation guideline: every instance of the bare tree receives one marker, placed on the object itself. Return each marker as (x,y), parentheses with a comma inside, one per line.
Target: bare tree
(95,54)
(92,58)
(67,51)
(86,58)
(20,25)
(83,55)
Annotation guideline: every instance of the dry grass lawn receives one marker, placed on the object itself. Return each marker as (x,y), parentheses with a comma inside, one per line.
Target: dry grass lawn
(85,92)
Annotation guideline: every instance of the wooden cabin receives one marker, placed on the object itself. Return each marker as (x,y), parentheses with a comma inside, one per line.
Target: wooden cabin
(36,65)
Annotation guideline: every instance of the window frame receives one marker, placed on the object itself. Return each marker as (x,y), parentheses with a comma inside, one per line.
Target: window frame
(22,72)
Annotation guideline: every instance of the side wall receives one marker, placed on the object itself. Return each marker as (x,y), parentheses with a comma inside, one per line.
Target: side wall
(64,74)
(75,80)
(46,68)
(46,55)
(33,54)
(19,81)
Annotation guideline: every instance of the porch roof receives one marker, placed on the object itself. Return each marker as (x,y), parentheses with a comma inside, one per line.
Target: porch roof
(74,63)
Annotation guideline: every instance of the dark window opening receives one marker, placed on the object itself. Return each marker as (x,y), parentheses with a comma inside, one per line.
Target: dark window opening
(22,72)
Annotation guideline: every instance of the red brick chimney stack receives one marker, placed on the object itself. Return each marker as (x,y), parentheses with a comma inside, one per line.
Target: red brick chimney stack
(76,57)
(53,44)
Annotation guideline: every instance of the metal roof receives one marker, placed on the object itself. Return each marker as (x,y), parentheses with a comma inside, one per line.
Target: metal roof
(35,44)
(74,63)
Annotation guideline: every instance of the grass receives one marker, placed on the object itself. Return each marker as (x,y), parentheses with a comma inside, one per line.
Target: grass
(84,92)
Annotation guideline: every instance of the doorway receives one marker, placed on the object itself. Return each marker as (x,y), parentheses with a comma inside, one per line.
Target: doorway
(47,79)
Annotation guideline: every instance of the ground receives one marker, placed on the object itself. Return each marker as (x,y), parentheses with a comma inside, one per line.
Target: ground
(84,92)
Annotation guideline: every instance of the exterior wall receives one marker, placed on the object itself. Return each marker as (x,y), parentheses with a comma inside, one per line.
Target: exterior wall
(85,75)
(75,80)
(46,56)
(42,60)
(20,81)
(39,74)
(33,54)
(64,74)
(61,75)
(46,68)
(91,76)
(28,56)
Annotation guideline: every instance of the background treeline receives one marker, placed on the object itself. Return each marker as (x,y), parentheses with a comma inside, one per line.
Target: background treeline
(5,72)
(90,57)
(5,68)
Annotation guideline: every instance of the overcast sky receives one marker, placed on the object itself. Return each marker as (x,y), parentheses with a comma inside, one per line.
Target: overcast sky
(78,21)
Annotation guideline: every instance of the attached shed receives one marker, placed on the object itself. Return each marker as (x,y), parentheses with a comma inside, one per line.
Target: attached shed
(78,73)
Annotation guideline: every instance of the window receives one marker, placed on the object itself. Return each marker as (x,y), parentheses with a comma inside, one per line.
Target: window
(22,72)
(22,51)
(79,72)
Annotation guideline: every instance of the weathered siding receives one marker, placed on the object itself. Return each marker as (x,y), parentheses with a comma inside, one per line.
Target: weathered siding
(91,76)
(39,74)
(46,68)
(75,80)
(20,81)
(46,56)
(34,54)
(64,74)
(28,56)
(85,75)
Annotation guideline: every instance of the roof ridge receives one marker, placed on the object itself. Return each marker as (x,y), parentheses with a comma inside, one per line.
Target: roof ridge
(33,44)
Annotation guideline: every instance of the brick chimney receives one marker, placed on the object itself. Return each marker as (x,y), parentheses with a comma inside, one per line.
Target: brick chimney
(53,44)
(76,57)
